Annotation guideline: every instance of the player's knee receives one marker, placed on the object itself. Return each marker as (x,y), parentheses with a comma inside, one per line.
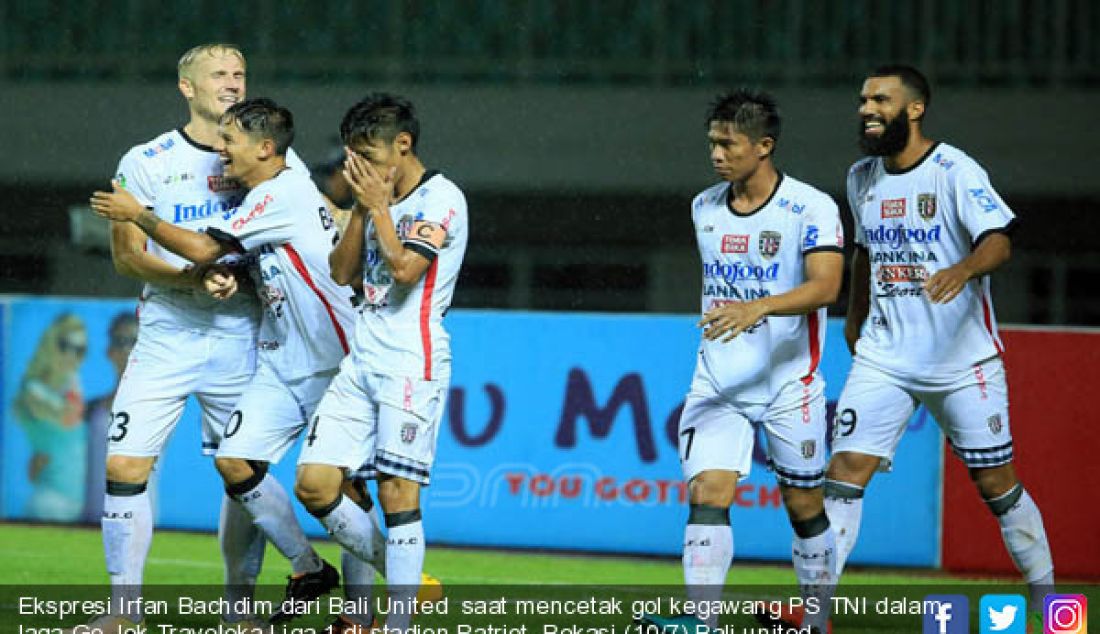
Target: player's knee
(993,482)
(233,470)
(398,494)
(129,469)
(316,487)
(852,468)
(714,488)
(802,504)
(356,490)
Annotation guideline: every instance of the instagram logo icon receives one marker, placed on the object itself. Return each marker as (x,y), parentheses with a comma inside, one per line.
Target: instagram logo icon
(1065,614)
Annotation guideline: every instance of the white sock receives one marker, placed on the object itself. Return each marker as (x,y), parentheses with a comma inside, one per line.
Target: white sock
(1026,540)
(358,587)
(708,551)
(404,563)
(127,534)
(351,527)
(844,506)
(815,568)
(242,545)
(269,506)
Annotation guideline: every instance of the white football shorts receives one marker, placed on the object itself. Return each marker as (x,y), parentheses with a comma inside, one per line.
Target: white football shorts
(271,414)
(377,424)
(971,408)
(165,367)
(717,433)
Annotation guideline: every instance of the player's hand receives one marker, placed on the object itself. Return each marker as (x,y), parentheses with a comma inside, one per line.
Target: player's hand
(219,282)
(946,284)
(372,189)
(731,320)
(117,204)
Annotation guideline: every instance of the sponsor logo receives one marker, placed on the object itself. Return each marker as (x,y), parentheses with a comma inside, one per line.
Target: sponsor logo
(273,297)
(178,178)
(926,206)
(256,211)
(995,424)
(733,292)
(898,235)
(158,148)
(1005,613)
(984,199)
(783,202)
(894,257)
(1064,613)
(408,433)
(900,273)
(938,159)
(798,208)
(946,614)
(893,208)
(737,271)
(185,213)
(735,243)
(810,241)
(327,221)
(769,243)
(221,184)
(708,228)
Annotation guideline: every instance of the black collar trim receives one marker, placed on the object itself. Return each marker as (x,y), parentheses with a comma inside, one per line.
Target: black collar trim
(729,200)
(194,143)
(914,165)
(424,178)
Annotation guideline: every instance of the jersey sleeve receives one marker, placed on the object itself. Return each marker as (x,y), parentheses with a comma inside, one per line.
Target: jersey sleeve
(980,208)
(821,229)
(853,186)
(429,230)
(266,216)
(133,175)
(295,162)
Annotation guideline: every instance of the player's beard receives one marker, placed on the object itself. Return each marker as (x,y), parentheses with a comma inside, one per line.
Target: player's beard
(895,136)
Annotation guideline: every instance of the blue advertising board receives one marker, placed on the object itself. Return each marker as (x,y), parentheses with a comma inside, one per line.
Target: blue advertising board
(560,433)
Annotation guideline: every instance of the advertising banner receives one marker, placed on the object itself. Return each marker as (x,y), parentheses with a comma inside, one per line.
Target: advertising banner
(560,433)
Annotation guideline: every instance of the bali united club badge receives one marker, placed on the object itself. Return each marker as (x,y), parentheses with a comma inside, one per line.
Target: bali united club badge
(769,243)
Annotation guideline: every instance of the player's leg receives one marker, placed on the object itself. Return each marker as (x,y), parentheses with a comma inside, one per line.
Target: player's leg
(268,418)
(871,418)
(795,427)
(974,414)
(358,574)
(242,547)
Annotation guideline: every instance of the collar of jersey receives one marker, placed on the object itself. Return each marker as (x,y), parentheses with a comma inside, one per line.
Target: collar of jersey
(729,190)
(914,165)
(194,143)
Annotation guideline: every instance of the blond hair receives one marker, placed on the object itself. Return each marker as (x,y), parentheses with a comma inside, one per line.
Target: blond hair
(215,49)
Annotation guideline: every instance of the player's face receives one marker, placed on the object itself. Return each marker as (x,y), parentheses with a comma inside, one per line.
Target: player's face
(379,153)
(884,106)
(733,155)
(240,153)
(216,83)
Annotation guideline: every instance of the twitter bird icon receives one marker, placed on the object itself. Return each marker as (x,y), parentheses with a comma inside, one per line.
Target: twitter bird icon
(1003,614)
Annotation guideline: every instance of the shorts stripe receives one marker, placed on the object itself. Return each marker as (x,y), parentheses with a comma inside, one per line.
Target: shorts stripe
(804,480)
(392,464)
(984,456)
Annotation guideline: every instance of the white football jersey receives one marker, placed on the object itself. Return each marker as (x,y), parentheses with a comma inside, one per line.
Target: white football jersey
(750,256)
(913,224)
(400,330)
(288,232)
(181,181)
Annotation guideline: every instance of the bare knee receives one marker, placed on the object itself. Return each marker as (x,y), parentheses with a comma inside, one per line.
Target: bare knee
(993,482)
(355,489)
(318,486)
(233,470)
(129,469)
(802,504)
(714,488)
(398,494)
(852,468)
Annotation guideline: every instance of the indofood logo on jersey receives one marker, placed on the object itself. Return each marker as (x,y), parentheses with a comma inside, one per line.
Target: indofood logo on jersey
(898,235)
(737,271)
(206,209)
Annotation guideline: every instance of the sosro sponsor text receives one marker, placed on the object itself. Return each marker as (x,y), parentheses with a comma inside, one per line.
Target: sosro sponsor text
(736,271)
(198,212)
(898,235)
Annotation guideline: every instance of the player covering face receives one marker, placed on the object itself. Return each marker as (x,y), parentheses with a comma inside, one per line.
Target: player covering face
(772,261)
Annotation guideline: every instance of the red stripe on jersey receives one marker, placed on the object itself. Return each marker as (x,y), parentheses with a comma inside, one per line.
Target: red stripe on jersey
(425,314)
(987,317)
(815,347)
(300,266)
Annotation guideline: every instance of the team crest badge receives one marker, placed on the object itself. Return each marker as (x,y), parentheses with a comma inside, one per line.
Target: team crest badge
(995,424)
(408,433)
(809,448)
(769,243)
(926,206)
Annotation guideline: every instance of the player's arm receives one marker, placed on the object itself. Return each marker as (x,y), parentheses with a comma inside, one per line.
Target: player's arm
(859,297)
(132,260)
(120,206)
(346,259)
(824,275)
(993,250)
(407,262)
